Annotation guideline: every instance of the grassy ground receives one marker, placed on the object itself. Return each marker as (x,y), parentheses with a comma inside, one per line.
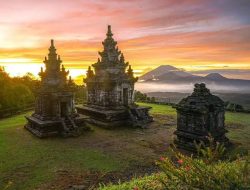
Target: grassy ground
(238,125)
(97,156)
(27,161)
(160,109)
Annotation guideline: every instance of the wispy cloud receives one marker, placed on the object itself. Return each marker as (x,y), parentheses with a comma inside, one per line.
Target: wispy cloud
(185,33)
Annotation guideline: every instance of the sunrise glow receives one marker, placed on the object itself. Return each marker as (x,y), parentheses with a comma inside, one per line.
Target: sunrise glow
(192,35)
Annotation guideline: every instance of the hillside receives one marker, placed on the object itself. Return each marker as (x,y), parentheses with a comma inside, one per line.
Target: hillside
(102,156)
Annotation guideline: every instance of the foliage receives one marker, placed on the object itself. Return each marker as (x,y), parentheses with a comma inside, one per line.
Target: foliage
(197,174)
(213,152)
(188,173)
(16,92)
(142,97)
(234,107)
(205,173)
(150,182)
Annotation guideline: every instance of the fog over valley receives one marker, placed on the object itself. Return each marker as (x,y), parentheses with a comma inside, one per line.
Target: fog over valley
(188,88)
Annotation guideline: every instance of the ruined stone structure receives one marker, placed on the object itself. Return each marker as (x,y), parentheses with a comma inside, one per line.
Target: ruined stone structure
(199,115)
(110,89)
(54,106)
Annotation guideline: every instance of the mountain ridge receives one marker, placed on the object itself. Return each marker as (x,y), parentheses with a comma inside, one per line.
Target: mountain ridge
(174,76)
(165,72)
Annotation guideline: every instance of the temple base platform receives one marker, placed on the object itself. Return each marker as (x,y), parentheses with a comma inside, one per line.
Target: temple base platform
(134,116)
(66,127)
(186,140)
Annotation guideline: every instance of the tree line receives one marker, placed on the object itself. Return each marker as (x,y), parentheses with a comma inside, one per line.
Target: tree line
(16,92)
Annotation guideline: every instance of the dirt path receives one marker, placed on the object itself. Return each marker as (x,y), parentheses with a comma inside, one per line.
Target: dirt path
(137,149)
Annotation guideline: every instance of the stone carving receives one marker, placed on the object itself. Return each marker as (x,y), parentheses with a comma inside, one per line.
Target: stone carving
(54,105)
(110,89)
(198,116)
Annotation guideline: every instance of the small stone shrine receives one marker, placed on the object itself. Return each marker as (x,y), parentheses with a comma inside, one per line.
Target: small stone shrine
(110,90)
(199,115)
(54,105)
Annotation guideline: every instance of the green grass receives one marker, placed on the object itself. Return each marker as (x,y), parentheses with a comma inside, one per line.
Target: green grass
(240,134)
(27,161)
(238,118)
(160,109)
(13,122)
(150,182)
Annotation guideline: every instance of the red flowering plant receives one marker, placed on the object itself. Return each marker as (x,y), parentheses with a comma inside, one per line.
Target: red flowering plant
(183,172)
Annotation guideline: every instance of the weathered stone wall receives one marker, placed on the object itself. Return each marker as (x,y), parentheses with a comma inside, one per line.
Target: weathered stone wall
(198,116)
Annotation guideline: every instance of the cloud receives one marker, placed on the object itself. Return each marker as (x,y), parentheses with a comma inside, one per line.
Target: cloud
(150,33)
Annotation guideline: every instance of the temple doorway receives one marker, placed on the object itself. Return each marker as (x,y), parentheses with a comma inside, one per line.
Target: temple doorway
(64,109)
(125,96)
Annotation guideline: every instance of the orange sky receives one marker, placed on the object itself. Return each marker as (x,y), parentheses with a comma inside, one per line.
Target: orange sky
(189,34)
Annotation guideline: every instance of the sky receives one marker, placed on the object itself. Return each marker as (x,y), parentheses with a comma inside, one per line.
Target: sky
(196,35)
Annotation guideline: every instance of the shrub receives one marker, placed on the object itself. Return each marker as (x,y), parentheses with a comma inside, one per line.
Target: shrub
(212,152)
(210,170)
(188,173)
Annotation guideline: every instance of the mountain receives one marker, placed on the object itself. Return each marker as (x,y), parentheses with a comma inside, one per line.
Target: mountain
(169,75)
(174,76)
(157,72)
(215,76)
(163,70)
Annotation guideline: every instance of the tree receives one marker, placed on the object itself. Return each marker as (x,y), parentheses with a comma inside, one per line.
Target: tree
(16,92)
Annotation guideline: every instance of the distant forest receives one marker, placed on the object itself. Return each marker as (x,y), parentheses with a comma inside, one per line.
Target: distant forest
(16,92)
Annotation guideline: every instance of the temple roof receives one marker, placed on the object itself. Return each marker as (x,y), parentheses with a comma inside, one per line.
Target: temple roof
(111,64)
(55,73)
(111,55)
(200,100)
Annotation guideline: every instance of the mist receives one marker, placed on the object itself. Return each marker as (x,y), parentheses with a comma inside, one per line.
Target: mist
(188,88)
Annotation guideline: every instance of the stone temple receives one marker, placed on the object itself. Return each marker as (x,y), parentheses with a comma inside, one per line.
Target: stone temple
(54,106)
(199,115)
(110,90)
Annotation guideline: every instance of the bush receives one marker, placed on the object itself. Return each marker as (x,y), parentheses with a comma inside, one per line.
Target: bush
(188,173)
(208,171)
(213,152)
(142,97)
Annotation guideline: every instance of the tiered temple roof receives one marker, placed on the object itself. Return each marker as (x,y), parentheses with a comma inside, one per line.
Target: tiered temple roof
(111,62)
(55,74)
